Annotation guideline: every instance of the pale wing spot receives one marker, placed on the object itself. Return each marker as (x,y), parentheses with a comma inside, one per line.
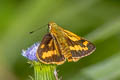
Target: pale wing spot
(80,48)
(76,59)
(85,43)
(76,47)
(72,48)
(47,54)
(85,48)
(55,53)
(44,55)
(70,60)
(50,53)
(50,43)
(73,38)
(42,46)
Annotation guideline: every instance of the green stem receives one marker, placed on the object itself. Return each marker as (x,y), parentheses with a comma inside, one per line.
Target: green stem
(44,71)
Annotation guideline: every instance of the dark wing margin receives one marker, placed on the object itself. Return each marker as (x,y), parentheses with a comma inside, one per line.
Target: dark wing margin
(79,47)
(48,52)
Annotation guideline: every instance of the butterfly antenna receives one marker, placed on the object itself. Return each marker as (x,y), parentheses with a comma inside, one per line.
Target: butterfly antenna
(36,29)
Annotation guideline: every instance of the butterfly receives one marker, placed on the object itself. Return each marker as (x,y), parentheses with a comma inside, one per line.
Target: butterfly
(60,45)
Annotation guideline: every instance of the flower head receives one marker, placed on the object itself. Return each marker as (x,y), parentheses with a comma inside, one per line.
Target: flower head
(30,53)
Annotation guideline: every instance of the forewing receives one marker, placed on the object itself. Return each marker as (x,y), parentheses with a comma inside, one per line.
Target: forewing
(48,52)
(78,46)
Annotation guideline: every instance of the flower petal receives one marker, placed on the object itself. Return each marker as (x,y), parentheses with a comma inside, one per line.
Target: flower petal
(30,53)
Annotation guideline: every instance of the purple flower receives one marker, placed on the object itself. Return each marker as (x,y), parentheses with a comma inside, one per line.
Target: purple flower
(30,53)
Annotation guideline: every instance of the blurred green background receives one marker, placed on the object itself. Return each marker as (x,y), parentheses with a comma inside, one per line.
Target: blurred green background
(96,20)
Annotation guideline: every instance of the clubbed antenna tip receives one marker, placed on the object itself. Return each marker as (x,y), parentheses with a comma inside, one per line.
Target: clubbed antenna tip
(31,32)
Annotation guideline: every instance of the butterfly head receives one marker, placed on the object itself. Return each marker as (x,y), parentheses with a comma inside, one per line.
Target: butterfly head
(53,27)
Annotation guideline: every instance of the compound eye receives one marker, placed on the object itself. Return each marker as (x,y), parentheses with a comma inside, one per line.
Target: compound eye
(49,26)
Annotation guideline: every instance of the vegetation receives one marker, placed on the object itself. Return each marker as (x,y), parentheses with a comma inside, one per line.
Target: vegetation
(96,20)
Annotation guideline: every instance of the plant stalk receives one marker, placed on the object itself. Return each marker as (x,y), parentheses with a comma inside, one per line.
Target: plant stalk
(44,71)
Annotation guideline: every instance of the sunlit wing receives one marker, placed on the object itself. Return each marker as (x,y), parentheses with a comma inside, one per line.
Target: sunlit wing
(48,52)
(78,46)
